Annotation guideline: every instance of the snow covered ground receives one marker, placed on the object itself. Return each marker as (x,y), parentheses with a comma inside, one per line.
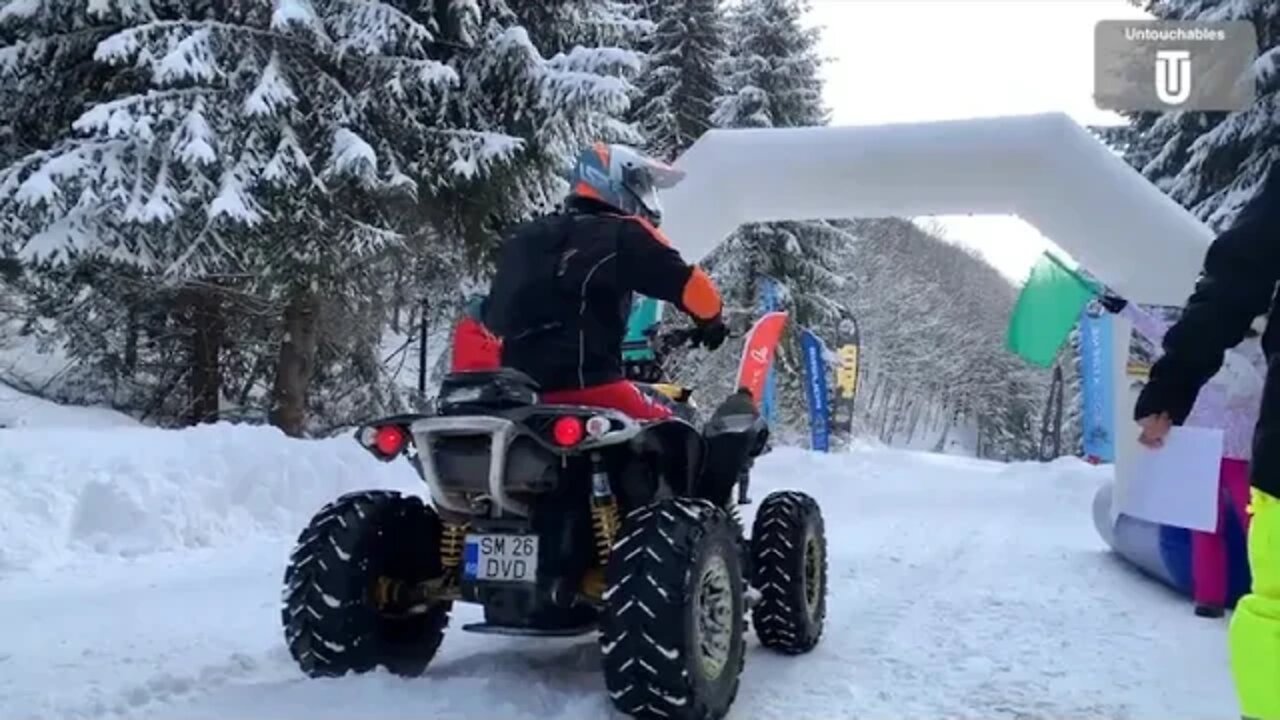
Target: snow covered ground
(21,410)
(140,578)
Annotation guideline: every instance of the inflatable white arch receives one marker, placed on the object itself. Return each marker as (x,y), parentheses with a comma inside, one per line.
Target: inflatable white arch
(1045,169)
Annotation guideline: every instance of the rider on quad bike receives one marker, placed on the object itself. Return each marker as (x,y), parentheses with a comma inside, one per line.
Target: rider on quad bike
(560,497)
(564,283)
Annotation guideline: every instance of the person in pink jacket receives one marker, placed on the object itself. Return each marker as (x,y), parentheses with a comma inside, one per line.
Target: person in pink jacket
(1230,402)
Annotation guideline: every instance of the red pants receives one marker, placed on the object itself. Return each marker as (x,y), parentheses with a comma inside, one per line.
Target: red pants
(1209,550)
(621,395)
(474,348)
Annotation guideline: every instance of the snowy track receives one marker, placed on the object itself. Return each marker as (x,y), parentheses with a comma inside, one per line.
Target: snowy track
(960,589)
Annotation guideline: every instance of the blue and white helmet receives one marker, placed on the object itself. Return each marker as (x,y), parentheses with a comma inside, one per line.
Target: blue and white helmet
(622,178)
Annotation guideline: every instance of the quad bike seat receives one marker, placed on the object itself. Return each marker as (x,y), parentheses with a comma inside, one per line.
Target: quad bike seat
(501,389)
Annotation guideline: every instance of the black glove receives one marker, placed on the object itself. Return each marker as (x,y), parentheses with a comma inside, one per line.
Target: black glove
(1112,303)
(712,333)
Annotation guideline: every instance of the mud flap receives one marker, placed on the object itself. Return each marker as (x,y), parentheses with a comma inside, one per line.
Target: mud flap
(732,442)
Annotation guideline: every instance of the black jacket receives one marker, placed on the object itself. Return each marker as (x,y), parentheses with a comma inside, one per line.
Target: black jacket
(1237,285)
(562,293)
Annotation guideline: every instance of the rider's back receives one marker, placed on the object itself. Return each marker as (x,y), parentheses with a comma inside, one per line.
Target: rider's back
(557,300)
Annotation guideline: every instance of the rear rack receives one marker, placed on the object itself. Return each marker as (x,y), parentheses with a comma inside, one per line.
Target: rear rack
(501,432)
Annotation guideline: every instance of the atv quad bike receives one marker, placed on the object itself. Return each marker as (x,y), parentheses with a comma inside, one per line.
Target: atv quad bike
(562,520)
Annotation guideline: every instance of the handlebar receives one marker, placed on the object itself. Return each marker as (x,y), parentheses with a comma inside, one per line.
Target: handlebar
(672,339)
(669,340)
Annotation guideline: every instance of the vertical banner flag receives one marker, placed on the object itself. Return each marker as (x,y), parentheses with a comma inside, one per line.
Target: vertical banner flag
(815,385)
(1046,310)
(758,352)
(768,304)
(849,343)
(1097,387)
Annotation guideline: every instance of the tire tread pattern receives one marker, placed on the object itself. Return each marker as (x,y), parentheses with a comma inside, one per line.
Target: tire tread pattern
(330,626)
(781,617)
(643,627)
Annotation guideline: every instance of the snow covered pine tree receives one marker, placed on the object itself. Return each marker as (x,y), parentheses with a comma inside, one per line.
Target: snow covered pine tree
(680,84)
(1212,163)
(285,151)
(241,151)
(771,78)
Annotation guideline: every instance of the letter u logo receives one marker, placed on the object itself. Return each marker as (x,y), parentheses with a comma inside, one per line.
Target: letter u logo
(1173,76)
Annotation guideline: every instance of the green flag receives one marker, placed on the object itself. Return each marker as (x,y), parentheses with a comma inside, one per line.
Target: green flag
(1047,308)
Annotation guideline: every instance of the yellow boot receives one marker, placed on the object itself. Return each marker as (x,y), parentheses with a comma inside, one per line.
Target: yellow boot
(1255,625)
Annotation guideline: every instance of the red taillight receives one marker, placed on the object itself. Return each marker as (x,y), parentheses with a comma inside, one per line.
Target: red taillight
(389,440)
(567,431)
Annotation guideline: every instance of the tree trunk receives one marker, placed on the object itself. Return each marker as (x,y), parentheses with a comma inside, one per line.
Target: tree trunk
(898,414)
(132,330)
(204,381)
(397,298)
(942,439)
(917,411)
(875,396)
(294,365)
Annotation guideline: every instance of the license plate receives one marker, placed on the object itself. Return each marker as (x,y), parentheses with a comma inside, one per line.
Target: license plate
(501,558)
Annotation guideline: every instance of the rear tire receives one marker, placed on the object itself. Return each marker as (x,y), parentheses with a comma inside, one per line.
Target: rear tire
(332,624)
(673,623)
(789,567)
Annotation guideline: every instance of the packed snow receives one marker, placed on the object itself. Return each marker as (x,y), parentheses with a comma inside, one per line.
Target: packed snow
(20,410)
(142,573)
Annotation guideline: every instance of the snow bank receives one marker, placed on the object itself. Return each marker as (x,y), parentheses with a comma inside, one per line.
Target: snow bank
(135,491)
(19,410)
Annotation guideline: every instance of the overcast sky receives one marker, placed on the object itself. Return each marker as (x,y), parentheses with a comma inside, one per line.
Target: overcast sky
(918,60)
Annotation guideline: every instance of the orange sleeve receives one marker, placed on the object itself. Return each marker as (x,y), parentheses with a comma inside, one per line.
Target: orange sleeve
(700,297)
(656,269)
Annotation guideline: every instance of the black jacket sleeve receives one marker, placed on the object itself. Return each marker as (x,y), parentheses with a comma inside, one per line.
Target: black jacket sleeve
(1236,285)
(647,264)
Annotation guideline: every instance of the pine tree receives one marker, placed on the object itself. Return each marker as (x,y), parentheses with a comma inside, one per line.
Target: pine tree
(773,80)
(598,38)
(256,171)
(773,74)
(257,144)
(680,84)
(1212,163)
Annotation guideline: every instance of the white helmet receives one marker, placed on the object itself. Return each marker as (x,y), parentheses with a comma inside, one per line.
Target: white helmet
(622,178)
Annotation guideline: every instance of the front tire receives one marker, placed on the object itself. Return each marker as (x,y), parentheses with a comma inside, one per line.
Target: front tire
(673,623)
(332,622)
(789,566)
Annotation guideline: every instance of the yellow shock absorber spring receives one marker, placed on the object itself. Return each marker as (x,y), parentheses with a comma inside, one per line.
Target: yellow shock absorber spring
(451,538)
(604,511)
(604,519)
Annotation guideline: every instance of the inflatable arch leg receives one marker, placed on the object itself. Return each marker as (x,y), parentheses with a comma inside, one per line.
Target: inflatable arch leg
(1164,553)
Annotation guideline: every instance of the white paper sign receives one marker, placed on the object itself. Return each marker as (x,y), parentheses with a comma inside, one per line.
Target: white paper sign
(1175,485)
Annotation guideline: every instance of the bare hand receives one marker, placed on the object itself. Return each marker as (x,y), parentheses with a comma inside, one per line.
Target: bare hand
(1154,430)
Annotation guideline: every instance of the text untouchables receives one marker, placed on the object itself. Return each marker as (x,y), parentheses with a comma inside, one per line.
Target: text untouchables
(1177,34)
